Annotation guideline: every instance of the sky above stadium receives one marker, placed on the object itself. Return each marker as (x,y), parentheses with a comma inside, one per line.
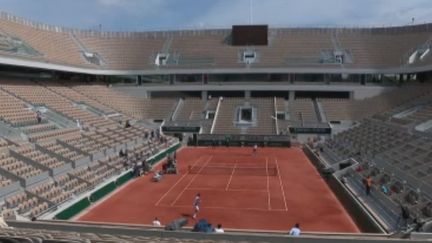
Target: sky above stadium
(139,15)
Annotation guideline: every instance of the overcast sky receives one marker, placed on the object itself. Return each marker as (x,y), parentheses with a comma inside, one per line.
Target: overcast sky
(138,15)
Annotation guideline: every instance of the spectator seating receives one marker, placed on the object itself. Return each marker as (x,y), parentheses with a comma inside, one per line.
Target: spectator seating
(39,95)
(88,175)
(57,133)
(395,158)
(50,192)
(74,96)
(25,203)
(337,109)
(40,157)
(71,184)
(265,112)
(86,143)
(367,48)
(302,110)
(52,235)
(3,143)
(191,109)
(18,167)
(225,118)
(61,150)
(4,181)
(14,112)
(129,105)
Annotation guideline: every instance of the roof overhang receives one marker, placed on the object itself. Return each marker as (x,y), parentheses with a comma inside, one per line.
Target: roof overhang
(171,70)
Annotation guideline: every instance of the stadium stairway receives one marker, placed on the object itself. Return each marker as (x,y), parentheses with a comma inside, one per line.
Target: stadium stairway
(8,131)
(320,111)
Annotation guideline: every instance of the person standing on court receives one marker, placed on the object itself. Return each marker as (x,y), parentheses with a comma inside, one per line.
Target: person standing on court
(254,150)
(196,205)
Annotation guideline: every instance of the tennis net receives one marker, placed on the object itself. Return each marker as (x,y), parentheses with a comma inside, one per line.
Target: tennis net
(234,170)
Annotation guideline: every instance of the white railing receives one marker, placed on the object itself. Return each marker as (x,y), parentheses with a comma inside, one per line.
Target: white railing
(275,115)
(176,110)
(216,115)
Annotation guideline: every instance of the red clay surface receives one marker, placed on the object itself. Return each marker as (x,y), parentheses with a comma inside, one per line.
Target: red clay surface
(238,201)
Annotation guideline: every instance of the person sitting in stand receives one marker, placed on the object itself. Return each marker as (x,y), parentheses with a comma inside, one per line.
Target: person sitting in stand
(122,153)
(127,125)
(38,116)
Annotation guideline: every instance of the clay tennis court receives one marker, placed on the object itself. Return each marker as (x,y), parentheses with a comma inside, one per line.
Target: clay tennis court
(271,190)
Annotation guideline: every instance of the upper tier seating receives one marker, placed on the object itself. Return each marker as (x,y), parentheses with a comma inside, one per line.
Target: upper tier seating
(40,95)
(14,112)
(368,48)
(77,97)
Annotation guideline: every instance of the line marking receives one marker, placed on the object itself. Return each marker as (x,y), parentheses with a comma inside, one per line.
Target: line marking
(230,179)
(223,208)
(281,184)
(268,186)
(172,187)
(190,182)
(223,190)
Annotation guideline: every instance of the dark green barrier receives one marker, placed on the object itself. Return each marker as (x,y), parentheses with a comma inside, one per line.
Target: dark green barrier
(123,179)
(110,187)
(164,154)
(73,210)
(103,191)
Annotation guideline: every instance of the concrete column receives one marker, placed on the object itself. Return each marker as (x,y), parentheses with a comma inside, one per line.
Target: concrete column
(247,94)
(204,95)
(291,95)
(351,95)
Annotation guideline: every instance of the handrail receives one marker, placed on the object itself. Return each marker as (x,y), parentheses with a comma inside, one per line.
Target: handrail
(275,115)
(174,114)
(216,115)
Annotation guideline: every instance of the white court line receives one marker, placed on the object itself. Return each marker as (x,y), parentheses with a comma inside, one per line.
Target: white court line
(268,185)
(190,182)
(230,179)
(172,187)
(225,208)
(223,190)
(281,184)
